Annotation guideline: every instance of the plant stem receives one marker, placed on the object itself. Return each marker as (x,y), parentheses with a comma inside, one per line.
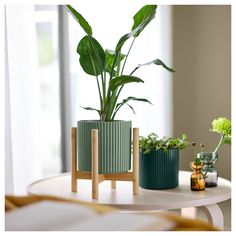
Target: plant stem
(118,65)
(104,92)
(127,55)
(112,105)
(103,82)
(114,95)
(115,101)
(113,65)
(114,114)
(111,75)
(97,56)
(205,174)
(134,70)
(99,91)
(221,140)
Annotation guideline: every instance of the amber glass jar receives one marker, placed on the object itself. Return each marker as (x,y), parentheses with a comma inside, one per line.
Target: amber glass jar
(197,177)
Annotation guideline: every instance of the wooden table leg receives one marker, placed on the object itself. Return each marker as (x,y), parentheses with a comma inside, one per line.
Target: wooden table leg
(214,215)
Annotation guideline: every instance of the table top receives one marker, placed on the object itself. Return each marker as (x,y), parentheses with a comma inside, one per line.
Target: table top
(122,197)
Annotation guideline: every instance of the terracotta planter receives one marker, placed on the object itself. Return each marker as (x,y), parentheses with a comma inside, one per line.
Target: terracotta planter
(114,145)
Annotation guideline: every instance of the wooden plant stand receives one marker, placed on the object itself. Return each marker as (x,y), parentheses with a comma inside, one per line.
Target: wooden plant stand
(98,178)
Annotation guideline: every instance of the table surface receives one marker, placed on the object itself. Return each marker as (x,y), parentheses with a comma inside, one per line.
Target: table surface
(123,198)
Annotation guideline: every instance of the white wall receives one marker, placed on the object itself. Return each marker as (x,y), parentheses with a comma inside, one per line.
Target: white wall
(202,83)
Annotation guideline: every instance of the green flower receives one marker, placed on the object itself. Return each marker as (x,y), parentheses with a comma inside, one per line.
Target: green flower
(222,126)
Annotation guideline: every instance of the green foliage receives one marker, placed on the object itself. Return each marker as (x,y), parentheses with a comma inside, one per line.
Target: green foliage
(227,140)
(153,142)
(125,102)
(83,23)
(122,80)
(197,161)
(159,63)
(92,55)
(222,126)
(143,17)
(107,65)
(110,57)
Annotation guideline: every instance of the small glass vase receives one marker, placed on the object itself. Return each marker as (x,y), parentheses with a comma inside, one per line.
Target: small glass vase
(209,170)
(197,177)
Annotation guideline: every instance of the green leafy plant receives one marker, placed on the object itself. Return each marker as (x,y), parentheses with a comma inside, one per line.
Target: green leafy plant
(153,142)
(197,160)
(107,66)
(222,126)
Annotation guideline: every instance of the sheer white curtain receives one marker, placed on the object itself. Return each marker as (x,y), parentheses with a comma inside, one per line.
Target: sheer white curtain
(22,100)
(113,20)
(33,130)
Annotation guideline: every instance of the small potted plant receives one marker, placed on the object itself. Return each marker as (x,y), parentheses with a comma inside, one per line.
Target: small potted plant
(107,67)
(221,126)
(159,161)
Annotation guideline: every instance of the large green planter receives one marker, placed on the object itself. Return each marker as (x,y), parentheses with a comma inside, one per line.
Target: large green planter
(114,145)
(159,169)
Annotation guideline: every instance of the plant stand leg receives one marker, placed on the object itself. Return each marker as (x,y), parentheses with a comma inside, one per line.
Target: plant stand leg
(94,176)
(136,161)
(74,160)
(113,184)
(94,151)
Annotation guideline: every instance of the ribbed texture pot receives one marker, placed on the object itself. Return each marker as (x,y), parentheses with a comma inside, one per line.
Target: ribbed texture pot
(159,169)
(114,145)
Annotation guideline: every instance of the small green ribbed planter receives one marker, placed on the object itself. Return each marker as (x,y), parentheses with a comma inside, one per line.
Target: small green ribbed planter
(159,169)
(114,145)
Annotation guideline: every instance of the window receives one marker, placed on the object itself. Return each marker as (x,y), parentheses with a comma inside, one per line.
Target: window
(46,22)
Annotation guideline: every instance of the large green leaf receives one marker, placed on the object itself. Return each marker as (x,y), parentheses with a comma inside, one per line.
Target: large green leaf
(92,55)
(125,37)
(227,140)
(159,63)
(130,108)
(80,19)
(125,102)
(132,99)
(143,17)
(141,20)
(156,62)
(92,109)
(110,57)
(122,80)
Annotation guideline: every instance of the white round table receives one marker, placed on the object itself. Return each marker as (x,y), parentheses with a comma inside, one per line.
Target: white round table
(148,200)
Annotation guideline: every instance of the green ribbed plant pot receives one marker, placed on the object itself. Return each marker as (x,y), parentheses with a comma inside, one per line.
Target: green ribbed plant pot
(159,169)
(114,145)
